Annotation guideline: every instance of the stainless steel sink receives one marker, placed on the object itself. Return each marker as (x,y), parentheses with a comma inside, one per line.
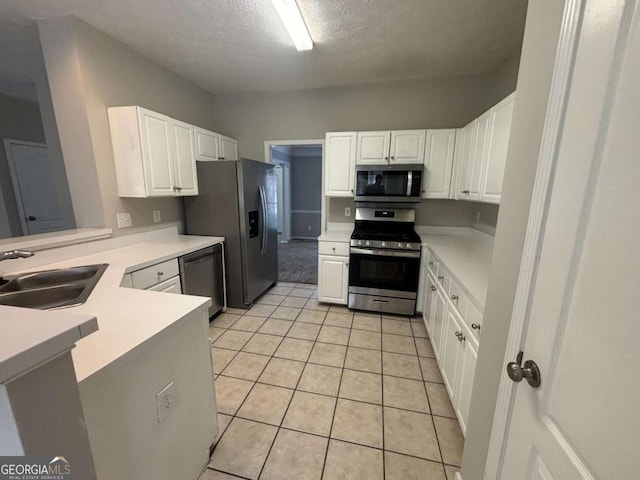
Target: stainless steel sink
(51,288)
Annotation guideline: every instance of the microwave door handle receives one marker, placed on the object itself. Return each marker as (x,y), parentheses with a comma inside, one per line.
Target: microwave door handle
(409,182)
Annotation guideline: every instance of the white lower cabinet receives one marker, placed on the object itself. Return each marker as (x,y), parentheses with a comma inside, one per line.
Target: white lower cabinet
(455,344)
(171,285)
(333,279)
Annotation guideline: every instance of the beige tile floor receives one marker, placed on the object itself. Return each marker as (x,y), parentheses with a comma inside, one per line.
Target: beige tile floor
(315,391)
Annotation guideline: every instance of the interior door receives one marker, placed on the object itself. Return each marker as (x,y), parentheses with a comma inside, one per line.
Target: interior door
(35,192)
(583,329)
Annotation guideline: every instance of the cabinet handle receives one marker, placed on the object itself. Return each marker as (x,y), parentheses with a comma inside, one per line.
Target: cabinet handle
(386,158)
(221,158)
(454,298)
(432,287)
(440,277)
(160,274)
(334,249)
(392,157)
(352,190)
(475,326)
(460,336)
(466,192)
(431,264)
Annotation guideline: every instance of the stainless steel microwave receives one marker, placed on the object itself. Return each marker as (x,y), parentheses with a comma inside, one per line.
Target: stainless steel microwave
(389,183)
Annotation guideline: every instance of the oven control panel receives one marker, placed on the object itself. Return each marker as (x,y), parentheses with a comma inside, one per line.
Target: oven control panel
(386,244)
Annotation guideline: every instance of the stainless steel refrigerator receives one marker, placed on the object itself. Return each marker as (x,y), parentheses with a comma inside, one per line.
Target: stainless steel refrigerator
(237,200)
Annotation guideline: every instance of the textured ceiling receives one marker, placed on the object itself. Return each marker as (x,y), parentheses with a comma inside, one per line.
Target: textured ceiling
(241,45)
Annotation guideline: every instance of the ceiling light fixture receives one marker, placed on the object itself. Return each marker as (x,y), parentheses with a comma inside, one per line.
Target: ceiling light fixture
(294,23)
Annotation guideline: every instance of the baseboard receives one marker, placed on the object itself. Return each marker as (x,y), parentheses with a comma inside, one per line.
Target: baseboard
(458,476)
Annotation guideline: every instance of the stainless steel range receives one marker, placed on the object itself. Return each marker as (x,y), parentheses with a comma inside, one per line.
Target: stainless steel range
(384,261)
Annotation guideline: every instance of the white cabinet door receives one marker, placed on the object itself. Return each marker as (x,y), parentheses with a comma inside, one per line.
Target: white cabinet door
(155,137)
(184,161)
(171,285)
(438,163)
(339,164)
(466,372)
(437,324)
(228,148)
(333,275)
(428,310)
(207,145)
(451,349)
(496,157)
(478,156)
(462,163)
(373,148)
(407,146)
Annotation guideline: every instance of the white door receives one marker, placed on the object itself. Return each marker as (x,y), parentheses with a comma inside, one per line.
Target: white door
(438,163)
(373,148)
(339,164)
(35,193)
(583,328)
(183,153)
(228,148)
(207,145)
(171,285)
(463,153)
(156,153)
(333,275)
(501,116)
(407,146)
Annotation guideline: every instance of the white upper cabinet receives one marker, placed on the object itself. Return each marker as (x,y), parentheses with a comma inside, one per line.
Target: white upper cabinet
(496,153)
(390,146)
(339,164)
(228,148)
(211,146)
(154,154)
(407,146)
(207,145)
(482,154)
(183,150)
(438,163)
(373,148)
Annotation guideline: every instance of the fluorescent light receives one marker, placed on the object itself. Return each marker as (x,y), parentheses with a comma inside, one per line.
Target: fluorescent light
(294,23)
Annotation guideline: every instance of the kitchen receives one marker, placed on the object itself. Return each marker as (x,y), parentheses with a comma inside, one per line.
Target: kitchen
(103,66)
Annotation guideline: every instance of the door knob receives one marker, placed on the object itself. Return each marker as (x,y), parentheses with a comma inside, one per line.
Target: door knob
(31,218)
(432,287)
(529,371)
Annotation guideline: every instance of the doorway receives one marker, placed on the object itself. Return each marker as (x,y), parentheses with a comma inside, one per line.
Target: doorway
(35,195)
(299,182)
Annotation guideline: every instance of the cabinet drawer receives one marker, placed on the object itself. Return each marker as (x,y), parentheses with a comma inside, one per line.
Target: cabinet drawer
(146,277)
(458,297)
(473,317)
(444,278)
(333,248)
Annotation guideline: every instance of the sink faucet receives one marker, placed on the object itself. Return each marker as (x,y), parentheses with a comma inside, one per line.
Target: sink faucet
(11,254)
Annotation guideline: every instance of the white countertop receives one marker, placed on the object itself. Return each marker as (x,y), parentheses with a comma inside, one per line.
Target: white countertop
(335,236)
(467,255)
(33,337)
(126,317)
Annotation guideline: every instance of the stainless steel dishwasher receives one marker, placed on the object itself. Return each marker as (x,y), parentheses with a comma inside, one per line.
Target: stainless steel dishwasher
(201,273)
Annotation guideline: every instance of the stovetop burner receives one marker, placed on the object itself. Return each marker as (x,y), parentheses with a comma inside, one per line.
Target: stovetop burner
(394,232)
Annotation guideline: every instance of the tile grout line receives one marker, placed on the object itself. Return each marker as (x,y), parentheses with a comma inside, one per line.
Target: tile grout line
(384,461)
(335,407)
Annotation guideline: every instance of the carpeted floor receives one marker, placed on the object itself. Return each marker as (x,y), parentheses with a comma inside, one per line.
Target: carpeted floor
(298,261)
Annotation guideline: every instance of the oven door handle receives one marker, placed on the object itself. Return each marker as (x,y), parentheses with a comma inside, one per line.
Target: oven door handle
(385,253)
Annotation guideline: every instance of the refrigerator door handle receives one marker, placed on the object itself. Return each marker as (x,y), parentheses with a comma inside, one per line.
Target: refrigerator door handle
(265,221)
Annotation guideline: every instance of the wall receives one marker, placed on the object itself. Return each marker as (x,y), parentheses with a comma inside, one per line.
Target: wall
(306,195)
(443,103)
(88,72)
(538,56)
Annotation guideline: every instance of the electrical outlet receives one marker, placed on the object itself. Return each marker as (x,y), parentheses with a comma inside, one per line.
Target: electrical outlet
(347,211)
(124,220)
(156,216)
(165,400)
(477,217)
